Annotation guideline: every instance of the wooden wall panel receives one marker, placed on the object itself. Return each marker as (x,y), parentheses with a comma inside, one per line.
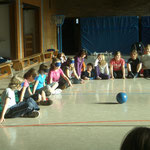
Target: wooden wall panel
(78,8)
(50,31)
(32,2)
(38,20)
(12,31)
(17,27)
(87,8)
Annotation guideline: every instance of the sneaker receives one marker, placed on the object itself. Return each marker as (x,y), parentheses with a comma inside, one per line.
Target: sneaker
(46,103)
(33,114)
(57,91)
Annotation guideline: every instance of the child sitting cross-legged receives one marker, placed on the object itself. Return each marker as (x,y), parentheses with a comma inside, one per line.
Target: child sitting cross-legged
(11,109)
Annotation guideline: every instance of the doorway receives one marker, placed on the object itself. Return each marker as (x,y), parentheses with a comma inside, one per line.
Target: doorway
(71,42)
(31,29)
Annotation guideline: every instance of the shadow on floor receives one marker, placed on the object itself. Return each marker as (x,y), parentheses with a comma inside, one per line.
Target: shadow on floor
(111,103)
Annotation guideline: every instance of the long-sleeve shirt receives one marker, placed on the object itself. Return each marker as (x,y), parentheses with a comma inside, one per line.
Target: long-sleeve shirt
(96,62)
(78,65)
(102,69)
(146,61)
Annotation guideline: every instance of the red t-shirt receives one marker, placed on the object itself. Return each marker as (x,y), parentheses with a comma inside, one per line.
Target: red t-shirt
(117,65)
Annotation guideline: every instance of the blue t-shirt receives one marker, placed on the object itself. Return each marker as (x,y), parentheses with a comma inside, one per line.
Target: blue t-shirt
(41,79)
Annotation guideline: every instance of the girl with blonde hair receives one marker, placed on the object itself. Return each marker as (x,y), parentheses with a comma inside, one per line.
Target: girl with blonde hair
(102,70)
(146,62)
(11,109)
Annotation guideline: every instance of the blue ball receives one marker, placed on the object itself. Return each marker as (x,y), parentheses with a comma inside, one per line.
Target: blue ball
(121,97)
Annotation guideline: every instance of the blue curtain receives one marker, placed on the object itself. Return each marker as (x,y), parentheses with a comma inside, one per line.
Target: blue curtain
(100,34)
(145,30)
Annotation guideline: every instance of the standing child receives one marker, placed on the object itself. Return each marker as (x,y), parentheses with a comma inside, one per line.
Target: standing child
(79,59)
(146,61)
(117,66)
(26,92)
(55,72)
(102,70)
(134,65)
(11,109)
(89,74)
(40,87)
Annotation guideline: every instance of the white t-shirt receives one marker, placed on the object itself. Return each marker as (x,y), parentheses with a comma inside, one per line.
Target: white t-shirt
(8,93)
(146,61)
(104,69)
(96,62)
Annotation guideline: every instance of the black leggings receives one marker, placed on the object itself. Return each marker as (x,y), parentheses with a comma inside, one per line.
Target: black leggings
(118,74)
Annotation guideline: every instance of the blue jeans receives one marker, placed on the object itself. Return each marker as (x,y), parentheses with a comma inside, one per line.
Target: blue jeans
(22,108)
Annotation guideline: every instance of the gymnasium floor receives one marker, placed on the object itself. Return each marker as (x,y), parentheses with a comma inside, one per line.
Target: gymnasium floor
(84,117)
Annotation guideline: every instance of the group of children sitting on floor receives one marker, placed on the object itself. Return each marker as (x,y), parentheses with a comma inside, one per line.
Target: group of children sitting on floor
(63,73)
(135,66)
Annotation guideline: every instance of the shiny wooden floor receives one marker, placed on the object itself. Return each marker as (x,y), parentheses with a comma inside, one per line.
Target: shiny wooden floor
(83,117)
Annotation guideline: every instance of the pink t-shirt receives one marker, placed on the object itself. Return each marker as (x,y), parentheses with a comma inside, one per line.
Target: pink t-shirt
(55,75)
(117,65)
